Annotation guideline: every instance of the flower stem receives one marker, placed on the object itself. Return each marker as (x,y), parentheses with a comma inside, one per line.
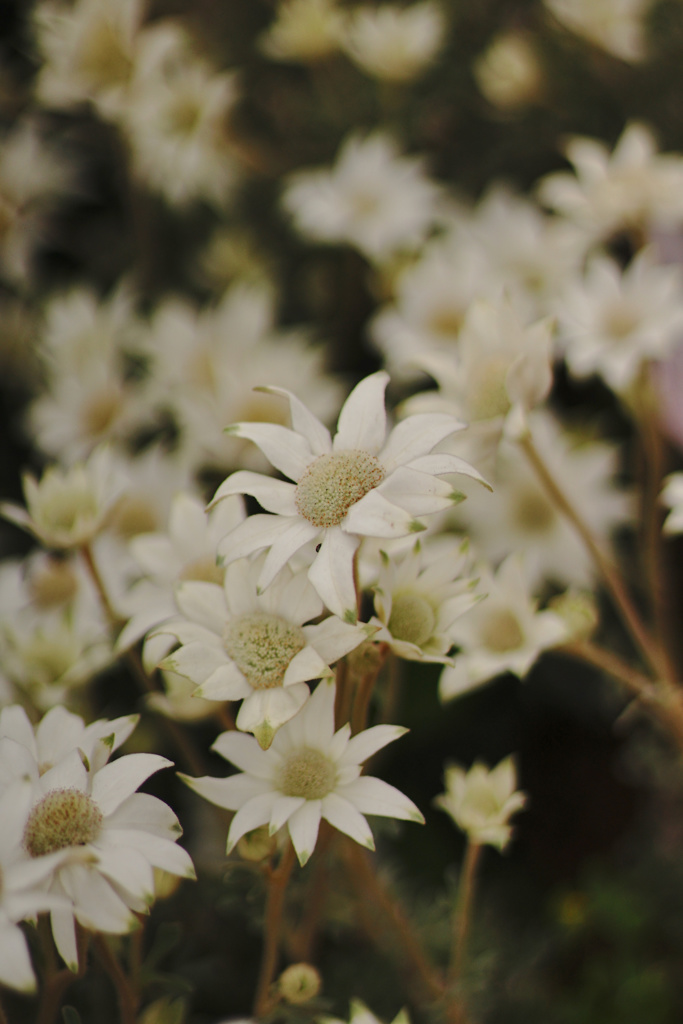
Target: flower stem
(128,998)
(463,910)
(272,928)
(612,578)
(57,982)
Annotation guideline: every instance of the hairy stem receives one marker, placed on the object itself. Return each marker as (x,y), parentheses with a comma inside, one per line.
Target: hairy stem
(272,929)
(463,910)
(128,998)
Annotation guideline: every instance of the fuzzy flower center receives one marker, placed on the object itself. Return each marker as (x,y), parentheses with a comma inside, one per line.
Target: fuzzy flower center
(68,505)
(533,513)
(335,482)
(262,647)
(65,817)
(412,618)
(502,632)
(307,773)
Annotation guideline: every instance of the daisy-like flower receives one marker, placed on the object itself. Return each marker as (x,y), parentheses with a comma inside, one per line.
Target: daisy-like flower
(503,633)
(634,187)
(419,595)
(672,497)
(617,26)
(482,800)
(66,508)
(373,198)
(239,645)
(310,772)
(111,836)
(303,30)
(360,1014)
(362,483)
(395,44)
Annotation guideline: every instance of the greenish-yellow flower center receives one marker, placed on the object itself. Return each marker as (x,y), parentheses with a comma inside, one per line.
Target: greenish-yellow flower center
(412,618)
(203,569)
(533,513)
(262,647)
(67,506)
(502,632)
(335,482)
(307,773)
(65,817)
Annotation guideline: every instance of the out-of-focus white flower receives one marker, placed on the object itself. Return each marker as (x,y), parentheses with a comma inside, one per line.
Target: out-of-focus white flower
(303,31)
(617,26)
(420,594)
(237,644)
(360,1014)
(309,772)
(508,72)
(502,633)
(672,497)
(482,800)
(111,835)
(396,44)
(634,187)
(207,364)
(34,178)
(372,198)
(66,508)
(89,51)
(364,483)
(612,322)
(520,515)
(87,396)
(177,122)
(231,255)
(667,383)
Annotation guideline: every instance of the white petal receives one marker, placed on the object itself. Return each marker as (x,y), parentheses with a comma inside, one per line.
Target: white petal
(129,870)
(117,780)
(272,495)
(362,421)
(415,436)
(420,494)
(97,906)
(299,532)
(231,793)
(283,809)
(439,463)
(342,815)
(270,709)
(375,516)
(157,850)
(252,815)
(364,744)
(299,601)
(285,449)
(303,828)
(332,573)
(245,753)
(69,773)
(15,963)
(64,934)
(203,603)
(333,638)
(373,796)
(197,661)
(226,683)
(141,810)
(255,533)
(305,665)
(304,422)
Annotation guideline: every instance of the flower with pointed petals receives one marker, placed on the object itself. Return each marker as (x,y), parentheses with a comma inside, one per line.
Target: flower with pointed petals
(360,1014)
(310,772)
(360,484)
(239,645)
(482,801)
(672,497)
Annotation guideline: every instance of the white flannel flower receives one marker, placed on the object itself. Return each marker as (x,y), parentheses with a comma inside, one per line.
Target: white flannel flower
(111,836)
(372,198)
(617,26)
(303,30)
(395,44)
(360,1014)
(362,483)
(613,321)
(502,633)
(310,772)
(238,644)
(672,497)
(634,187)
(66,508)
(482,800)
(419,595)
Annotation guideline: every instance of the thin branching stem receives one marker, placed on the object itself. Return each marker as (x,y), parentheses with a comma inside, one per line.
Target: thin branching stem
(272,929)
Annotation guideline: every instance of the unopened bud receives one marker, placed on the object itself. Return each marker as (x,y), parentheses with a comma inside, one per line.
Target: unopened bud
(299,983)
(578,611)
(256,845)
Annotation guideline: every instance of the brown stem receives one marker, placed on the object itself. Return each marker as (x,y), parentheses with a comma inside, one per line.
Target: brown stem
(303,940)
(272,928)
(463,910)
(612,578)
(364,688)
(57,982)
(385,920)
(128,998)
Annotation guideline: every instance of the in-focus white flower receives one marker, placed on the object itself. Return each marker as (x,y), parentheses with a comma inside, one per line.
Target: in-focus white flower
(66,508)
(372,198)
(309,772)
(239,645)
(111,836)
(508,72)
(672,497)
(395,44)
(613,321)
(303,31)
(617,26)
(634,187)
(481,801)
(503,633)
(420,594)
(362,483)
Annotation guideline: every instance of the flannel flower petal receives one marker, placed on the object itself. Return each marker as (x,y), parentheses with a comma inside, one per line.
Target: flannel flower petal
(237,644)
(482,801)
(361,483)
(310,772)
